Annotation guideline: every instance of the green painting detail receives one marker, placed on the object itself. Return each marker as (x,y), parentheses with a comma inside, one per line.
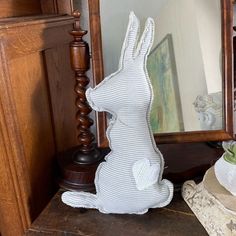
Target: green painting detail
(166,113)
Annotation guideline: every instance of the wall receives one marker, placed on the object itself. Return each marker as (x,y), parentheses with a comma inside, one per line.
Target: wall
(192,39)
(208,15)
(113,34)
(190,69)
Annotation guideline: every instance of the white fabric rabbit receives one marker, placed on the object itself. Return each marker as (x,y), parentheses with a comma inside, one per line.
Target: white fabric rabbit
(129,181)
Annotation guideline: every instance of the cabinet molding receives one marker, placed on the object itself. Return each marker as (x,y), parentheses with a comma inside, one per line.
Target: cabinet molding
(36,86)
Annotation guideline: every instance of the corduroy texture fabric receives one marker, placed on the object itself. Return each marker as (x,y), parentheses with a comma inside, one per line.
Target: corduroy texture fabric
(130,180)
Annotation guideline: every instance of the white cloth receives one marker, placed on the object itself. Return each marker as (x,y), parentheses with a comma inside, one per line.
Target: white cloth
(129,181)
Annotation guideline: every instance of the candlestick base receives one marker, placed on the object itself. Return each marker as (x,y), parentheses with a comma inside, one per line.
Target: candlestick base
(76,171)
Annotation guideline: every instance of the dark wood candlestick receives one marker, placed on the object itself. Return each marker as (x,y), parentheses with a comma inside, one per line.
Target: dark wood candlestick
(77,166)
(80,62)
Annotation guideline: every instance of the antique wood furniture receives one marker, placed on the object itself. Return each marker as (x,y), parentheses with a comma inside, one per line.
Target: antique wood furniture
(59,219)
(36,84)
(34,124)
(77,165)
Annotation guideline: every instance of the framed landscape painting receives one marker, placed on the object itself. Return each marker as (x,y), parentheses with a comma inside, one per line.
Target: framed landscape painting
(166,113)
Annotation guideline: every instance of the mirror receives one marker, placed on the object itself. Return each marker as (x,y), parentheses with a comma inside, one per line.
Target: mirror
(190,64)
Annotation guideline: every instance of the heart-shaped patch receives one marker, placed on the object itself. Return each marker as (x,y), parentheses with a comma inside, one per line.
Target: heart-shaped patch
(145,174)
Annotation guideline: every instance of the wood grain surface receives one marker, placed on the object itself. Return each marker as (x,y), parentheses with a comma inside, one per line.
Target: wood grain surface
(10,8)
(33,117)
(59,219)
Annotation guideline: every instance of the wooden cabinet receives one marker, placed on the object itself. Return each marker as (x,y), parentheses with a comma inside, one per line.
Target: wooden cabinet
(36,120)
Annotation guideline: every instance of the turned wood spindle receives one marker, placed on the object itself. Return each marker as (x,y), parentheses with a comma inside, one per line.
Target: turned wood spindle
(77,166)
(80,62)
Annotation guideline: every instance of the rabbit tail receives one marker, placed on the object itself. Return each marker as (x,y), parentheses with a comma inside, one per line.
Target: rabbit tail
(80,199)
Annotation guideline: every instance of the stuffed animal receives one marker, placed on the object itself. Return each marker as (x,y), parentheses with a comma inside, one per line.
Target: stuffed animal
(130,179)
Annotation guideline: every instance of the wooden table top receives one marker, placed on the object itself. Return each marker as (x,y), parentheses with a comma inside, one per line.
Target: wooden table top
(59,219)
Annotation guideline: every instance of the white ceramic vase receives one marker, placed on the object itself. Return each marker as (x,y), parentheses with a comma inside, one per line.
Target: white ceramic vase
(225,168)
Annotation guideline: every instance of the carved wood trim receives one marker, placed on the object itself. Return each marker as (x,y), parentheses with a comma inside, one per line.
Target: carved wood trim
(80,63)
(77,166)
(21,174)
(19,8)
(13,148)
(35,36)
(57,6)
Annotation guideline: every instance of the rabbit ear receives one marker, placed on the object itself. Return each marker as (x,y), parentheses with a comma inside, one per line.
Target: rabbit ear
(130,39)
(146,40)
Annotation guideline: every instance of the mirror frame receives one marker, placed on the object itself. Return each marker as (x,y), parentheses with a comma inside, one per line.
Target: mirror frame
(227,83)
